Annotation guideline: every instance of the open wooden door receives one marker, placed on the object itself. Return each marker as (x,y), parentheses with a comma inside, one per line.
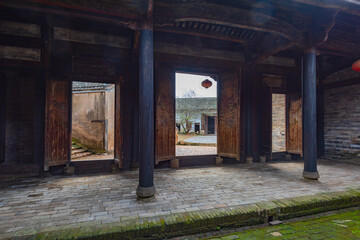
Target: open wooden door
(118,154)
(266,118)
(228,138)
(164,114)
(294,124)
(57,122)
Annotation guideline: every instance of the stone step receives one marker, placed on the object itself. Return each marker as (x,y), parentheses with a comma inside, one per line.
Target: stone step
(78,150)
(81,155)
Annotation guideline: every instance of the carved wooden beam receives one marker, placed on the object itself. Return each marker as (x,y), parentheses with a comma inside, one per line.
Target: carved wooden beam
(226,16)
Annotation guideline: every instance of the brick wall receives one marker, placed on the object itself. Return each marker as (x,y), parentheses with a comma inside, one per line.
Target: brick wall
(19,132)
(278,123)
(342,122)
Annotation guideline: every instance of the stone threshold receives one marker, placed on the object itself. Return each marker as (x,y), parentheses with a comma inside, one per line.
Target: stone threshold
(180,224)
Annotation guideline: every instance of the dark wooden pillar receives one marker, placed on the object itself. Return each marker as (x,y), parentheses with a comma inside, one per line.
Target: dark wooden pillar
(249,117)
(249,104)
(146,186)
(309,115)
(2,116)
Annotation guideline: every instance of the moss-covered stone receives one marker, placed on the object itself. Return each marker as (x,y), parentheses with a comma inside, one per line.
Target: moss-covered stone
(203,221)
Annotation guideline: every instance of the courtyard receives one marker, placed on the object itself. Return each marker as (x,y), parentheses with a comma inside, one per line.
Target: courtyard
(37,204)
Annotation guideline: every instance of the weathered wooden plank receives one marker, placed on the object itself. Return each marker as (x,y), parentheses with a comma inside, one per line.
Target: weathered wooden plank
(57,132)
(71,35)
(20,29)
(278,61)
(164,114)
(228,143)
(163,47)
(19,53)
(294,123)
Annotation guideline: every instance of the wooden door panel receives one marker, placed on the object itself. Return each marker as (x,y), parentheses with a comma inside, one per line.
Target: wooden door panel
(57,122)
(294,130)
(118,156)
(164,114)
(228,143)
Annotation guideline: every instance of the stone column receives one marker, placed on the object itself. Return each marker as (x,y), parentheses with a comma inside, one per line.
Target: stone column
(309,115)
(146,186)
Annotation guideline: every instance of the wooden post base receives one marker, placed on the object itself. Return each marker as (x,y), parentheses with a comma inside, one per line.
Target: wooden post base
(175,163)
(219,161)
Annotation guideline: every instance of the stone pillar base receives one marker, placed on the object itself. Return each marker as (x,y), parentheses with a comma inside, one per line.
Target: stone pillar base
(249,159)
(311,175)
(263,159)
(219,161)
(145,192)
(69,170)
(175,163)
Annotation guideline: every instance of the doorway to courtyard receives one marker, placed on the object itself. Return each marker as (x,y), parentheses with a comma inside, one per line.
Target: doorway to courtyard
(278,122)
(93,121)
(195,114)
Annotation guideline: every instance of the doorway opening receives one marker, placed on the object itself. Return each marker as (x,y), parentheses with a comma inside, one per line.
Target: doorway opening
(93,121)
(196,114)
(278,122)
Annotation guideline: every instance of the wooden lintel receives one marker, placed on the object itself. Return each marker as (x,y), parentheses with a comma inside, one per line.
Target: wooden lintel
(199,34)
(163,47)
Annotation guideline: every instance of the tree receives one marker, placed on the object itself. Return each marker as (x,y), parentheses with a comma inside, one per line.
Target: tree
(185,116)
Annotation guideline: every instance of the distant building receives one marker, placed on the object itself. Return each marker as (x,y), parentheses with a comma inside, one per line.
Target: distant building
(203,112)
(93,115)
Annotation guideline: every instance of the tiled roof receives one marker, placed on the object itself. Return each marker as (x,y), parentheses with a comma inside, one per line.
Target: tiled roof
(196,103)
(89,86)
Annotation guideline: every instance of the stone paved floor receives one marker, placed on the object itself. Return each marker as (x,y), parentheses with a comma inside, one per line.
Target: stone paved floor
(202,139)
(182,150)
(36,203)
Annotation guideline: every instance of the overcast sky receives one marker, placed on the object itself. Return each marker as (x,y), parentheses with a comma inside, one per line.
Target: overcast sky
(186,82)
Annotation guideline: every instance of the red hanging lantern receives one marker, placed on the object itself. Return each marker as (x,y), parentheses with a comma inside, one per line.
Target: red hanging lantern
(206,83)
(356,66)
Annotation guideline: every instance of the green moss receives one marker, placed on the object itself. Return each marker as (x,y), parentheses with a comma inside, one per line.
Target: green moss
(210,220)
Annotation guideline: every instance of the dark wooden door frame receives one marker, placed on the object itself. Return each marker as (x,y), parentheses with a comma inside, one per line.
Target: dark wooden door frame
(2,116)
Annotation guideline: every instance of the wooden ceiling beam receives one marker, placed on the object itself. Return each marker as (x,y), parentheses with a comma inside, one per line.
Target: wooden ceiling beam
(226,16)
(199,34)
(271,45)
(348,6)
(130,23)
